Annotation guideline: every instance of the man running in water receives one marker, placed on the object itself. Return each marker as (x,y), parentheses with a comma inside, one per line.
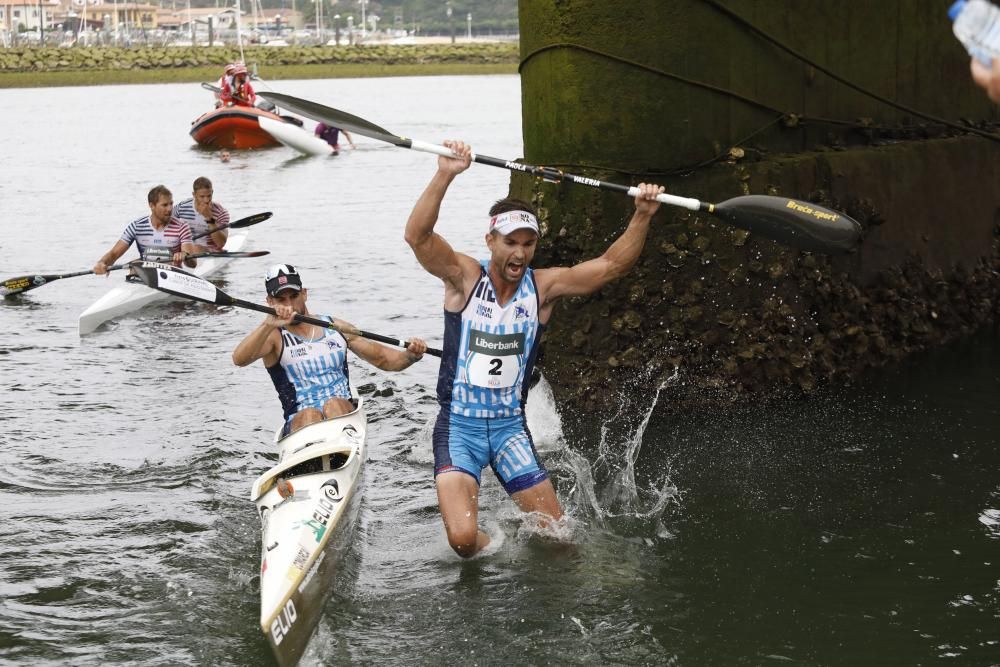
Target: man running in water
(495,312)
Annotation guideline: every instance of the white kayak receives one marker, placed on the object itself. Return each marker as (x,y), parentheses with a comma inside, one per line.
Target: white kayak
(293,136)
(129,296)
(305,534)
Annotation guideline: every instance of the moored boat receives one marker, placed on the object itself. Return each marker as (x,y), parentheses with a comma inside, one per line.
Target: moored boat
(234,127)
(129,296)
(308,506)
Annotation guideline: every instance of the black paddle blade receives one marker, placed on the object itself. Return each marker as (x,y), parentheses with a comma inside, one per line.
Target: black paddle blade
(21,284)
(335,118)
(172,280)
(796,223)
(250,220)
(233,255)
(242,222)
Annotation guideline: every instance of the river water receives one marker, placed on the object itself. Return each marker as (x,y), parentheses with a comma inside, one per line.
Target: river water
(859,527)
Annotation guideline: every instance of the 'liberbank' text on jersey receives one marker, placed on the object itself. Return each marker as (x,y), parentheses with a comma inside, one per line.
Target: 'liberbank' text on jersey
(310,371)
(489,350)
(157,245)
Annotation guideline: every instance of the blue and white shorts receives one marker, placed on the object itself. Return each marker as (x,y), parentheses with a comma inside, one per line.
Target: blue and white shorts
(469,444)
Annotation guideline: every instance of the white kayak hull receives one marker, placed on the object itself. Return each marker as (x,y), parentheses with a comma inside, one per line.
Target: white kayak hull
(293,136)
(129,297)
(305,535)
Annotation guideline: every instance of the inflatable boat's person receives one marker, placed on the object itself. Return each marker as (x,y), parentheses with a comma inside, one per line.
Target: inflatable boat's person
(238,91)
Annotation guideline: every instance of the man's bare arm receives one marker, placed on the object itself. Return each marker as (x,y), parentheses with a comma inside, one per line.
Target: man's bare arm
(588,277)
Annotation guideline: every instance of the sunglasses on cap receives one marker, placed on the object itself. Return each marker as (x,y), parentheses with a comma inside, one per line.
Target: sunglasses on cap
(280,277)
(280,270)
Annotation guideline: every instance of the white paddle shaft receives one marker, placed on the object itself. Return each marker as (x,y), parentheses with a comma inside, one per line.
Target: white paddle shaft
(673,200)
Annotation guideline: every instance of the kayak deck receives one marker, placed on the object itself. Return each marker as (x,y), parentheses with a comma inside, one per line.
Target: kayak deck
(305,534)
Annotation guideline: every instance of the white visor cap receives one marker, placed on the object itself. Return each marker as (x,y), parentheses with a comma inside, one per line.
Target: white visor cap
(505,223)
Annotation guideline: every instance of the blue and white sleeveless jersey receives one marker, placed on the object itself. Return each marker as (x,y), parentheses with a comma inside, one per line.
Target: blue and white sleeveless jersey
(310,371)
(489,351)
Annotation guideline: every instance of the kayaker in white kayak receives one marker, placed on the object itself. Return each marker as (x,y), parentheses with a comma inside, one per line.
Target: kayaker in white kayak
(308,364)
(159,236)
(495,312)
(204,216)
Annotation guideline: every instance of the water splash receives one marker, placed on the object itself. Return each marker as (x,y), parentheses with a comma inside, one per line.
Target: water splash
(543,418)
(607,488)
(622,495)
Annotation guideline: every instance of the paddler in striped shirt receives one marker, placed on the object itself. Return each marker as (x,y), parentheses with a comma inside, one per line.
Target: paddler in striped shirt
(495,311)
(205,216)
(159,236)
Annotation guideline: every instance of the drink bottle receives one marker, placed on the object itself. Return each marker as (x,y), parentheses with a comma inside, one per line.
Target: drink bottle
(976,23)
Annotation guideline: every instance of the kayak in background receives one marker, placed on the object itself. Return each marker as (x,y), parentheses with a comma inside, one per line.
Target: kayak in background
(131,296)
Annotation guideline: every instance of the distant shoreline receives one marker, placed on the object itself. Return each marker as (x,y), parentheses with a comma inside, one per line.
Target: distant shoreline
(45,67)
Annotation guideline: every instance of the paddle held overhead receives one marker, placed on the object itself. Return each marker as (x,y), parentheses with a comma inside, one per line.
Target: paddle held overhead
(796,223)
(180,283)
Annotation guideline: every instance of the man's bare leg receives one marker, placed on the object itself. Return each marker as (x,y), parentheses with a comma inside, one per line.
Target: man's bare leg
(540,498)
(458,497)
(304,418)
(335,407)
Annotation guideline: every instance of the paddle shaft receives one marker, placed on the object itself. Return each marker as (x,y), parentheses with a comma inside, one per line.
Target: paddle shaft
(226,300)
(234,255)
(803,225)
(799,224)
(13,286)
(555,175)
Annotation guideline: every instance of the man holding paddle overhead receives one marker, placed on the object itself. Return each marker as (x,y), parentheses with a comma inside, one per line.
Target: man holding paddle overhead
(159,236)
(495,312)
(205,217)
(307,363)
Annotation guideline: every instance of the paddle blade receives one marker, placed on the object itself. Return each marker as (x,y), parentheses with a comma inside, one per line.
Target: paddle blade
(233,255)
(250,220)
(796,223)
(335,118)
(21,284)
(172,280)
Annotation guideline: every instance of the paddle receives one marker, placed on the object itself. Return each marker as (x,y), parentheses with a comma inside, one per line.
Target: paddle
(20,284)
(238,224)
(790,221)
(180,283)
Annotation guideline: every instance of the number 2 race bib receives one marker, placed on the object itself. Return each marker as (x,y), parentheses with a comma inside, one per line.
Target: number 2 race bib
(494,360)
